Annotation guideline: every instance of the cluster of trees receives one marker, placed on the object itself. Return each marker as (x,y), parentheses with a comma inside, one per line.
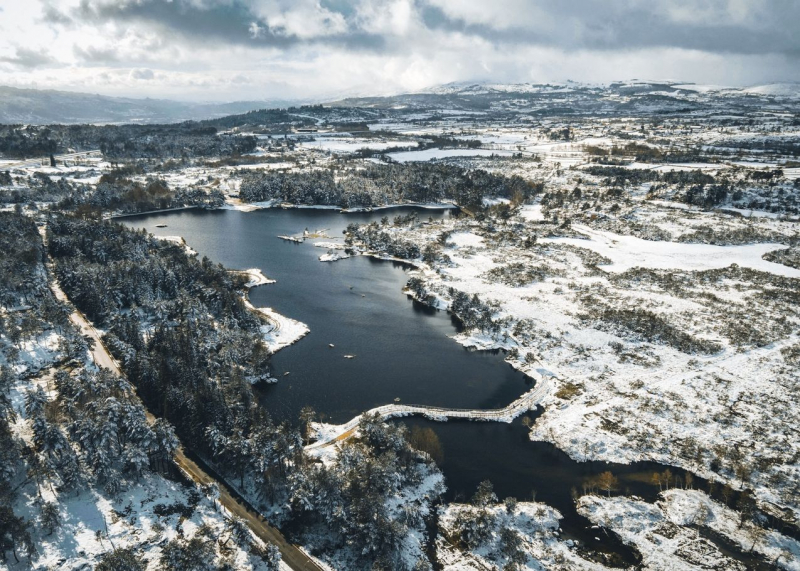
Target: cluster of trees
(41,188)
(604,481)
(18,141)
(352,497)
(179,326)
(474,313)
(378,185)
(198,553)
(518,274)
(481,525)
(105,422)
(115,192)
(276,120)
(765,144)
(475,527)
(788,257)
(20,256)
(375,238)
(418,289)
(26,306)
(619,176)
(762,190)
(647,325)
(30,309)
(189,139)
(15,531)
(707,196)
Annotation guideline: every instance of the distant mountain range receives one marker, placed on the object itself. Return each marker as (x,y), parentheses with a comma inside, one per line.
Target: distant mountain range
(33,106)
(573,98)
(781,90)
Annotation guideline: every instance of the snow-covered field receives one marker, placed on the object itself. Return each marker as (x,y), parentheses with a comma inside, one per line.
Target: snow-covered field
(627,252)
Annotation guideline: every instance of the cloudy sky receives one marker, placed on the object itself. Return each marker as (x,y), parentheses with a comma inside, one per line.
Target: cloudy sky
(263,49)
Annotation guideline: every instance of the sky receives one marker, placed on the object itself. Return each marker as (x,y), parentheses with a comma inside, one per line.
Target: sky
(228,50)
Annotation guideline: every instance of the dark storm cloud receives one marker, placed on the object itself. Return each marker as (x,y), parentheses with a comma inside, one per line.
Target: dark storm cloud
(29,59)
(576,24)
(625,25)
(772,26)
(232,21)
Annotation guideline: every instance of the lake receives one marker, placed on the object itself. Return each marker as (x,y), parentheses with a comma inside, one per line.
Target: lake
(402,348)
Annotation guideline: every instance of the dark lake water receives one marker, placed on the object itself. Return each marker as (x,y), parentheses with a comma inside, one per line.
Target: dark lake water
(403,350)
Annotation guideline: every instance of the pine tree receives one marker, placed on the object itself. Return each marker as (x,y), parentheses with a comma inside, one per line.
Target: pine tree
(50,519)
(121,560)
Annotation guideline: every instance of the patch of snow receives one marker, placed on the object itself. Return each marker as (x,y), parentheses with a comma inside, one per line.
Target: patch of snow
(494,201)
(333,257)
(532,212)
(179,241)
(256,276)
(465,239)
(282,331)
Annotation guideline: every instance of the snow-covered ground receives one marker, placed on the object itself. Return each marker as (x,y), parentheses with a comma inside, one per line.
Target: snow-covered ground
(662,546)
(529,531)
(128,520)
(256,277)
(280,331)
(667,533)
